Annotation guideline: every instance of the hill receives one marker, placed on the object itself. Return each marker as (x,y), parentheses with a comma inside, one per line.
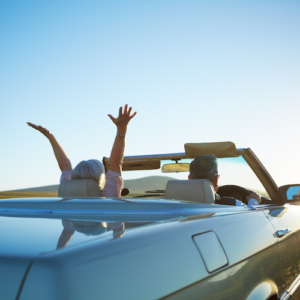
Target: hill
(139,186)
(135,186)
(7,195)
(46,188)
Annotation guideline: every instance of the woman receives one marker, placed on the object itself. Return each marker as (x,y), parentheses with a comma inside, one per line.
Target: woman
(110,183)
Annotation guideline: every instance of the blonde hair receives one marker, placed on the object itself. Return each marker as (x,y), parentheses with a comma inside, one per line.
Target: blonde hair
(90,169)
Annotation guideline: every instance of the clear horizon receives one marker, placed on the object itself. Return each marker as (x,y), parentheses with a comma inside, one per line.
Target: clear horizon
(195,71)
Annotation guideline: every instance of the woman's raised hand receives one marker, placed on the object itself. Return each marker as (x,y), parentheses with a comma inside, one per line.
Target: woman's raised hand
(117,152)
(41,129)
(124,117)
(60,155)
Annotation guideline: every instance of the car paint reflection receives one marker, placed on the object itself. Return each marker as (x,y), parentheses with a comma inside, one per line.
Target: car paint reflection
(88,228)
(26,237)
(236,282)
(287,217)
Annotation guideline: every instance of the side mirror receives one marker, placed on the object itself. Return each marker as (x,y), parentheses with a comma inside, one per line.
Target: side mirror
(175,168)
(290,193)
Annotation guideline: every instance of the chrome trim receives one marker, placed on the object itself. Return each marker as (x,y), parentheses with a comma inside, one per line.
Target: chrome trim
(291,290)
(283,232)
(285,296)
(252,208)
(101,212)
(294,286)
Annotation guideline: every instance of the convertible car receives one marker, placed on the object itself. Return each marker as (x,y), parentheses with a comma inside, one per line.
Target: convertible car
(165,238)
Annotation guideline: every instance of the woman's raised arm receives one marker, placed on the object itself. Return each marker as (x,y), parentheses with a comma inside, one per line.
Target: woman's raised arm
(117,152)
(60,155)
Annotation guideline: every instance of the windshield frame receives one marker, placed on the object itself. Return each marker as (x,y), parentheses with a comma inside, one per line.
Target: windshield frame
(251,159)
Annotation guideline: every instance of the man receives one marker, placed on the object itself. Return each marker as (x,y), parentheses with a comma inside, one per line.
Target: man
(206,167)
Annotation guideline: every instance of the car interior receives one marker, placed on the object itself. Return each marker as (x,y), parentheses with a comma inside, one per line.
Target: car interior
(165,176)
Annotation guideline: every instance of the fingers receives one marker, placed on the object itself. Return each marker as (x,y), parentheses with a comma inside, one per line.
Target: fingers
(255,196)
(123,115)
(112,118)
(33,125)
(132,115)
(41,129)
(125,109)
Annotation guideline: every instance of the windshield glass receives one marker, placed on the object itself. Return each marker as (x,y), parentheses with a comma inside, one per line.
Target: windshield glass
(233,171)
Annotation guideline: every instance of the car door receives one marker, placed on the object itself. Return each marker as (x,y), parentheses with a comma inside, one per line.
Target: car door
(286,222)
(254,269)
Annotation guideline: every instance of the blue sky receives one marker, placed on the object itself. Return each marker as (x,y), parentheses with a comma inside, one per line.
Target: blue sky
(195,71)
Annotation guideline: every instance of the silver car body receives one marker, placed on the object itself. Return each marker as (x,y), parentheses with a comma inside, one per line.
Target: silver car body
(142,248)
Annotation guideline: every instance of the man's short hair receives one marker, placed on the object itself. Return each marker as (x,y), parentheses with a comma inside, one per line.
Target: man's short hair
(204,167)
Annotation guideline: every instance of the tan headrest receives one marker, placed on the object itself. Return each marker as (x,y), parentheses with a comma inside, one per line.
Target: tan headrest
(79,188)
(199,190)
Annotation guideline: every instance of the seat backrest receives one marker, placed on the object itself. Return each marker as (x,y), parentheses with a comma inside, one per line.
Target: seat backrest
(79,188)
(199,190)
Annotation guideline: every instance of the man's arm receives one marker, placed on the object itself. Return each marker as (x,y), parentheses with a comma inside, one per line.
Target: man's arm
(253,199)
(117,152)
(62,159)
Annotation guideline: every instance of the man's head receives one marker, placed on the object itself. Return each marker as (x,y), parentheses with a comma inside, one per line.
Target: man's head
(205,167)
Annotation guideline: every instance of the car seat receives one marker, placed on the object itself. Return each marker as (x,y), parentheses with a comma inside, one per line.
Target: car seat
(199,190)
(79,188)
